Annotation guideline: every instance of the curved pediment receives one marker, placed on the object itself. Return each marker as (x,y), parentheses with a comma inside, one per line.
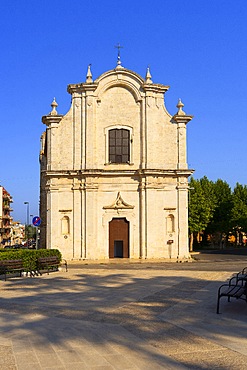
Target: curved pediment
(123,78)
(121,72)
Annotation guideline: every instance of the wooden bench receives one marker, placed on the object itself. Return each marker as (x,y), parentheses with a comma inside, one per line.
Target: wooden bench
(238,291)
(50,264)
(8,266)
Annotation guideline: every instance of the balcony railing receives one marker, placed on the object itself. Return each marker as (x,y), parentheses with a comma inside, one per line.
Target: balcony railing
(8,197)
(7,207)
(6,216)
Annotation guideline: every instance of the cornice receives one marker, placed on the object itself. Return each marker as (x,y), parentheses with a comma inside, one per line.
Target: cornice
(81,87)
(49,119)
(182,119)
(101,173)
(157,88)
(119,72)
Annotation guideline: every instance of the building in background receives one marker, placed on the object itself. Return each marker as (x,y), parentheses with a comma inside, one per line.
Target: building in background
(5,218)
(114,173)
(18,233)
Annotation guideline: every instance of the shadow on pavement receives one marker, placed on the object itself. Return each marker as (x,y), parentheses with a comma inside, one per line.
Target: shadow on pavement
(114,311)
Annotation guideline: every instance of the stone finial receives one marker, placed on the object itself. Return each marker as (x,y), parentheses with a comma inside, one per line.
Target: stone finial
(148,78)
(181,118)
(54,105)
(89,78)
(180,106)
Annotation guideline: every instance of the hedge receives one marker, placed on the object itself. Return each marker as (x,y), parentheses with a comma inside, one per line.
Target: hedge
(29,256)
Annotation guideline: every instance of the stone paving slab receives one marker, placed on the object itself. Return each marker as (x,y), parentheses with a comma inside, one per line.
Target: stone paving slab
(227,329)
(138,318)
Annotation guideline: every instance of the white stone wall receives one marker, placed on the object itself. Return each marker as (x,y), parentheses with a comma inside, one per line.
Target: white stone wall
(79,186)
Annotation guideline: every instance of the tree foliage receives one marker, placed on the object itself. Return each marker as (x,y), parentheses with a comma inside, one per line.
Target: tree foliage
(216,210)
(30,232)
(221,220)
(201,204)
(239,208)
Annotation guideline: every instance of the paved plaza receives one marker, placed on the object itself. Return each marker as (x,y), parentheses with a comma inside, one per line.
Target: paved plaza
(124,315)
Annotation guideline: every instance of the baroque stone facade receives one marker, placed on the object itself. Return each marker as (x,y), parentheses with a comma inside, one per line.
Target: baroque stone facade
(114,173)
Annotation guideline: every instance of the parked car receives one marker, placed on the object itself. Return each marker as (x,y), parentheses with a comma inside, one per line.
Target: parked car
(15,246)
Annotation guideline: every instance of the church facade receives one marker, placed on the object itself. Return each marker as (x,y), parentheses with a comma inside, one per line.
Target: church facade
(114,173)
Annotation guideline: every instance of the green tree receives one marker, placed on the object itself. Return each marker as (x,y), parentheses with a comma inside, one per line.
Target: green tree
(30,232)
(220,224)
(201,206)
(239,209)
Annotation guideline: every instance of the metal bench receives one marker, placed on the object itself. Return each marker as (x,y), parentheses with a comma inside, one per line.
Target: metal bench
(242,275)
(49,264)
(238,291)
(8,266)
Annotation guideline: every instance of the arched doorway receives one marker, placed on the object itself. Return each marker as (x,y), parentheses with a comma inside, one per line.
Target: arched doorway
(119,238)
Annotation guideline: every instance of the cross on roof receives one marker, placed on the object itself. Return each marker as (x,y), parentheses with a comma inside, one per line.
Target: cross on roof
(118,46)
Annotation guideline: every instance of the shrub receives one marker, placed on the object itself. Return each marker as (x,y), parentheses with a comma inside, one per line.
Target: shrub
(29,256)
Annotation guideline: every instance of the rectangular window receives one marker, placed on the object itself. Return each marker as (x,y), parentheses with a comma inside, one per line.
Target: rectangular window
(119,146)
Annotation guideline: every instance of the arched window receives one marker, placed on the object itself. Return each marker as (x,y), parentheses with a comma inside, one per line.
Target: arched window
(119,145)
(170,224)
(65,225)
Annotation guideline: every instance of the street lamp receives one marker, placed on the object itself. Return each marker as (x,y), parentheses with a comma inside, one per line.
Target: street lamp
(27,220)
(27,203)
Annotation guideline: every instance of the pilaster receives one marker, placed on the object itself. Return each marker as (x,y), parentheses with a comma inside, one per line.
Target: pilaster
(181,119)
(51,121)
(182,221)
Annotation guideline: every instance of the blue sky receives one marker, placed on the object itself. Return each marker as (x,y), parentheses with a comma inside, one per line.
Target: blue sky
(197,47)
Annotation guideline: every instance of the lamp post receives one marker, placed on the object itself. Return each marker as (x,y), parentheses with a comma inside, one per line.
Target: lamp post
(27,221)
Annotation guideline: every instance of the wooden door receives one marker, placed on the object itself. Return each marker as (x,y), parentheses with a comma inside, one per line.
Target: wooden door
(119,238)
